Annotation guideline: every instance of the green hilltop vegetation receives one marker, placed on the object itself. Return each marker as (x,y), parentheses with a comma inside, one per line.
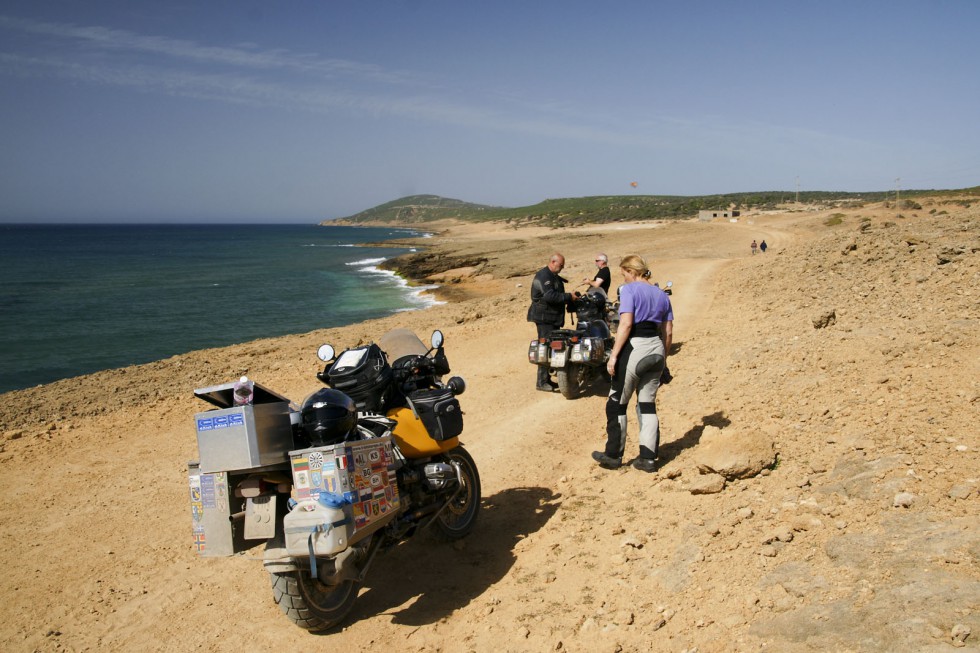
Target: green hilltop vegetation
(614,208)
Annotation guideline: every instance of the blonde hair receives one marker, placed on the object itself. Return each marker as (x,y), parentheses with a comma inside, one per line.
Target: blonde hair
(635,264)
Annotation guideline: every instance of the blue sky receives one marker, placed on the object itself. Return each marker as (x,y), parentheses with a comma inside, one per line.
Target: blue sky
(301,111)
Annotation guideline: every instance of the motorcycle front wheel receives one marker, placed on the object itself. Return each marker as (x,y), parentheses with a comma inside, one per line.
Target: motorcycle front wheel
(309,602)
(457,519)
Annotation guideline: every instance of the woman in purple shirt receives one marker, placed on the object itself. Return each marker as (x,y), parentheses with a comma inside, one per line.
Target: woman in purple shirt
(638,359)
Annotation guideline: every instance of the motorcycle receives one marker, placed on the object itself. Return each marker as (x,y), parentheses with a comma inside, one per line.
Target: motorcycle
(365,463)
(578,355)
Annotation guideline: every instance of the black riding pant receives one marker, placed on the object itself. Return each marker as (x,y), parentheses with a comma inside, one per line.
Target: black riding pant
(544,330)
(638,369)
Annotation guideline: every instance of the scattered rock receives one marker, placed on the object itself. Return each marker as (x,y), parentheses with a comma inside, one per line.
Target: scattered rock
(903,500)
(959,633)
(962,491)
(825,319)
(707,484)
(623,618)
(744,513)
(634,542)
(734,455)
(781,534)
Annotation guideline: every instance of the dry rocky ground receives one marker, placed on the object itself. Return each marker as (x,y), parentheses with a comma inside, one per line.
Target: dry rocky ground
(817,486)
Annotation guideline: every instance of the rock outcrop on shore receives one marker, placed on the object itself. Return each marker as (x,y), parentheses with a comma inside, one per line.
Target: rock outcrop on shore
(818,483)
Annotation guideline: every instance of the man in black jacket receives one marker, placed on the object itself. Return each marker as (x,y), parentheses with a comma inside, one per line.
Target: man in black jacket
(548,303)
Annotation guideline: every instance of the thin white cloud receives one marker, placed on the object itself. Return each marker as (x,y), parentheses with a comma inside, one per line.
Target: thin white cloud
(240,75)
(124,40)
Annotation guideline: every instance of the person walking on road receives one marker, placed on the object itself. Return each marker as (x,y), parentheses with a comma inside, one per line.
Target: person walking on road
(637,361)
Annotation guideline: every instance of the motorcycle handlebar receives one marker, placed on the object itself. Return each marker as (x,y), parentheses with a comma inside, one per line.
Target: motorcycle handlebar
(412,368)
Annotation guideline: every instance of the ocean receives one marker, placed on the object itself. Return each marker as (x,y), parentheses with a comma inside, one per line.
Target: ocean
(76,299)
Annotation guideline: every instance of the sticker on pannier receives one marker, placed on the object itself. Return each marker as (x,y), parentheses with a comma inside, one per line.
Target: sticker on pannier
(439,411)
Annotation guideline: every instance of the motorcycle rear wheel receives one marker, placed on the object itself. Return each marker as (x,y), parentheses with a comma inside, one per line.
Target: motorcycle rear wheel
(572,380)
(309,602)
(457,519)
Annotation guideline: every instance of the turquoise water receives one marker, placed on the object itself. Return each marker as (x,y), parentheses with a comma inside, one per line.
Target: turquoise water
(76,299)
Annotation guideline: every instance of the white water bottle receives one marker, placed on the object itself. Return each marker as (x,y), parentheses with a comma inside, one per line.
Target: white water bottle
(244,392)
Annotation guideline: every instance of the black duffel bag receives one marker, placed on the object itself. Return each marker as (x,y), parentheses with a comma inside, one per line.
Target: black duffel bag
(439,411)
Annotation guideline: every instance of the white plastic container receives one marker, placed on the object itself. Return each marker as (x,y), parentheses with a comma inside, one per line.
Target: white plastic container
(310,522)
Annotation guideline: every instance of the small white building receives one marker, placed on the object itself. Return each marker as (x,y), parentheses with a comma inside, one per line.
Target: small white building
(708,216)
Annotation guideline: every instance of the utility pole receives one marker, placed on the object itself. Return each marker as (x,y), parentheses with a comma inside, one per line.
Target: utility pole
(898,203)
(797,190)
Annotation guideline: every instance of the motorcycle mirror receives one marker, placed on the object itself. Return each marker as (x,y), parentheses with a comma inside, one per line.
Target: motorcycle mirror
(325,353)
(437,339)
(670,283)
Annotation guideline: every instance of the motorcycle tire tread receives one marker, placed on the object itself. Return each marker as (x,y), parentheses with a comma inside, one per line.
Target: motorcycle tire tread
(287,595)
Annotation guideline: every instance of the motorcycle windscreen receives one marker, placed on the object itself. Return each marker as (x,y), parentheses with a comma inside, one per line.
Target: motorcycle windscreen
(402,342)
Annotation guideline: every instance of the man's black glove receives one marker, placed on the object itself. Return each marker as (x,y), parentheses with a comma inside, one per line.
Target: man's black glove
(666,377)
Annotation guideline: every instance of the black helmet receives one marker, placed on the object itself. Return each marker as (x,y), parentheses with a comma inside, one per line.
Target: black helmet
(328,417)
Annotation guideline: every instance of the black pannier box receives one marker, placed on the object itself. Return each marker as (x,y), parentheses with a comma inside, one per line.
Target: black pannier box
(363,374)
(439,411)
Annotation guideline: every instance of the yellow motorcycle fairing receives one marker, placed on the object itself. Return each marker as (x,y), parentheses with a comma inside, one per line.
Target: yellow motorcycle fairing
(412,437)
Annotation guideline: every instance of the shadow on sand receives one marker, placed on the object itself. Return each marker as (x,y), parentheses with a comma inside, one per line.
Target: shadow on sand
(671,450)
(424,579)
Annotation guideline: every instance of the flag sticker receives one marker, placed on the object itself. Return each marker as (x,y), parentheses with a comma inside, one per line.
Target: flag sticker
(200,541)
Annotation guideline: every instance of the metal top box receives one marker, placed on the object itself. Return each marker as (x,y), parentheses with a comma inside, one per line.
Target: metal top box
(245,437)
(222,395)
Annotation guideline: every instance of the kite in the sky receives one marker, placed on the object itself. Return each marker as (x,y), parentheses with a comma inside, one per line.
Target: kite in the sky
(633,184)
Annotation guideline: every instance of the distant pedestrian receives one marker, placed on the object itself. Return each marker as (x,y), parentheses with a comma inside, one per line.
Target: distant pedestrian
(763,246)
(754,246)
